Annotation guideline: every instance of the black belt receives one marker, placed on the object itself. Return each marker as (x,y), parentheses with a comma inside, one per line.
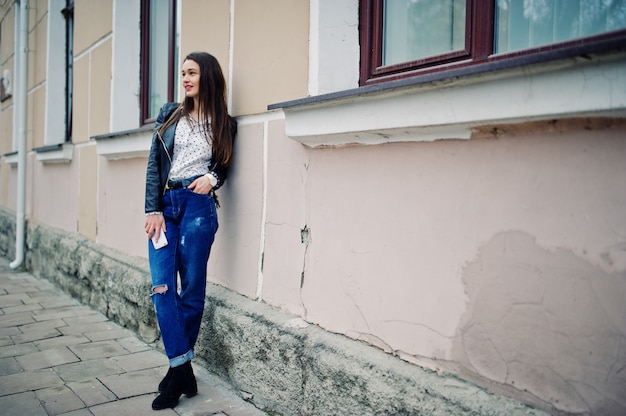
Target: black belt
(180,183)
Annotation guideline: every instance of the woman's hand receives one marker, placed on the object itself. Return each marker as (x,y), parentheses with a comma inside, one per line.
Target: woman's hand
(202,185)
(154,224)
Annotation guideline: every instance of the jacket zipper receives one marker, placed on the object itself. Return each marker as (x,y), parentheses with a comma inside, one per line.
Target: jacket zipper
(168,157)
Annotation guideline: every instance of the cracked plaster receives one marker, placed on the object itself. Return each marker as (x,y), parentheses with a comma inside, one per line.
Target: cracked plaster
(547,323)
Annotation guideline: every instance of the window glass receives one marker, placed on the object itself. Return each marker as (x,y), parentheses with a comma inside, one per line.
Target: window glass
(68,13)
(159,55)
(416,29)
(522,24)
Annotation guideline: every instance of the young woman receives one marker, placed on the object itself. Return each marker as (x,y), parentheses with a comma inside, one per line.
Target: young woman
(192,147)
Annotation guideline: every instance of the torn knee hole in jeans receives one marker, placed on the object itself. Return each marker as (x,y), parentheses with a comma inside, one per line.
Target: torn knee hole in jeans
(159,290)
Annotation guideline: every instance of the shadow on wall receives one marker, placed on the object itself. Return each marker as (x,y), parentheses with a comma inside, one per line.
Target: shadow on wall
(546,322)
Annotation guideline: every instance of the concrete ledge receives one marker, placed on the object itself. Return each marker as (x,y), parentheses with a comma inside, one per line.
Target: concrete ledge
(286,365)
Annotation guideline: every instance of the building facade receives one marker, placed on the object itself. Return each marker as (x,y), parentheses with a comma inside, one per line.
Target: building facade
(459,207)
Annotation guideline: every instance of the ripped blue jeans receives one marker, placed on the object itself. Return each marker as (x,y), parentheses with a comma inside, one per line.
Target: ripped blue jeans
(191,223)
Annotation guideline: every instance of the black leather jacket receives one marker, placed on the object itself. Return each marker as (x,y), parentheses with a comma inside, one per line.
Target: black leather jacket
(160,160)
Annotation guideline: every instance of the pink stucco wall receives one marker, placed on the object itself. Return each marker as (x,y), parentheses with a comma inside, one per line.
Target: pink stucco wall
(450,254)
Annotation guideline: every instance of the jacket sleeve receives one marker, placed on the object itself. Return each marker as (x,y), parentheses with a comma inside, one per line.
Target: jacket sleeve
(153,183)
(152,201)
(221,171)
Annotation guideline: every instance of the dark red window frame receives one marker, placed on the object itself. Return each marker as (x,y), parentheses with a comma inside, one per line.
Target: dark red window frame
(479,45)
(145,58)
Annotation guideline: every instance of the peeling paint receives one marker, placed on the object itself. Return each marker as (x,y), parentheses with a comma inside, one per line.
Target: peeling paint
(306,239)
(545,322)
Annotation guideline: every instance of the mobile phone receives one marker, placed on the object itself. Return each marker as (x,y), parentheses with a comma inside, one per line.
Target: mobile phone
(161,242)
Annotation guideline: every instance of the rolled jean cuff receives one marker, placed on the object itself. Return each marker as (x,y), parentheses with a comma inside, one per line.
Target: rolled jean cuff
(182,359)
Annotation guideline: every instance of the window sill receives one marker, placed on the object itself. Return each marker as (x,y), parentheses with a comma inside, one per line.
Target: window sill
(451,105)
(58,153)
(11,158)
(125,144)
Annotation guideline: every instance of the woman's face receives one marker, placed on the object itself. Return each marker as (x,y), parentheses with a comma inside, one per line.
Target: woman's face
(191,78)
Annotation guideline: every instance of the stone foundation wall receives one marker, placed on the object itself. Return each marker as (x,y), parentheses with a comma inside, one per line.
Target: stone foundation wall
(284,364)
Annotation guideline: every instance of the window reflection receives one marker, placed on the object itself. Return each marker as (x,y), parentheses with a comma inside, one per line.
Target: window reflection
(415,29)
(522,24)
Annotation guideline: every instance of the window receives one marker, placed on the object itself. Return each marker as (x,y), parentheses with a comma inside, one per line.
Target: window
(5,74)
(68,14)
(158,56)
(402,38)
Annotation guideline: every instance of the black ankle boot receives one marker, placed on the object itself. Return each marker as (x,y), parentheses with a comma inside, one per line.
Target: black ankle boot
(166,380)
(191,389)
(181,381)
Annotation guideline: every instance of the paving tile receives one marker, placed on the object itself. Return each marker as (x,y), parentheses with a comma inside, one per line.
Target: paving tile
(133,344)
(74,328)
(85,318)
(141,360)
(100,349)
(22,404)
(92,392)
(12,300)
(60,313)
(56,301)
(108,334)
(135,406)
(22,308)
(31,380)
(58,357)
(23,277)
(6,339)
(41,296)
(9,366)
(132,384)
(17,350)
(58,400)
(36,335)
(16,319)
(6,333)
(80,412)
(44,293)
(61,341)
(47,358)
(215,399)
(12,287)
(85,370)
(38,326)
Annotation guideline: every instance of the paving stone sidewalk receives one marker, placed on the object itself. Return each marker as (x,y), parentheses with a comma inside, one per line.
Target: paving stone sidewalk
(58,357)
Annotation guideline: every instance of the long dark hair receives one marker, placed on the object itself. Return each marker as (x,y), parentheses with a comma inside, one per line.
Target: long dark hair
(212,106)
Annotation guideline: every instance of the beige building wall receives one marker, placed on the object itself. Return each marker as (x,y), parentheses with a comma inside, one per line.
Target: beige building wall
(35,118)
(206,27)
(271,59)
(493,257)
(64,195)
(270,54)
(54,193)
(93,20)
(478,253)
(6,127)
(37,36)
(7,30)
(120,214)
(87,190)
(81,99)
(99,87)
(8,35)
(234,260)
